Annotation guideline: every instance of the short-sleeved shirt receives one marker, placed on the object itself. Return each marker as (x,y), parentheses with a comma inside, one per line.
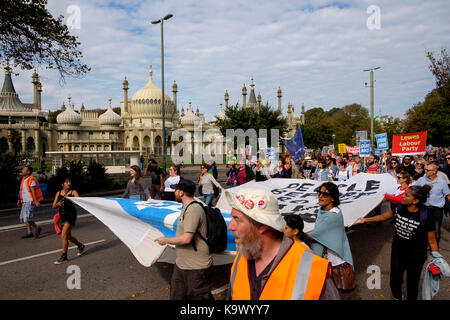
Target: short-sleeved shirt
(155,174)
(192,220)
(410,236)
(26,197)
(307,171)
(439,190)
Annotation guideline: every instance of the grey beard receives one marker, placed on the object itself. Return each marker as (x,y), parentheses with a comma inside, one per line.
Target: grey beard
(252,249)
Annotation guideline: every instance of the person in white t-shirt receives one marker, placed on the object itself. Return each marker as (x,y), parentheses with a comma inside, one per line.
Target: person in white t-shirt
(343,174)
(174,178)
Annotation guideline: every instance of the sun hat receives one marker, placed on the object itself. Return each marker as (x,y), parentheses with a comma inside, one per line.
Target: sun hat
(259,204)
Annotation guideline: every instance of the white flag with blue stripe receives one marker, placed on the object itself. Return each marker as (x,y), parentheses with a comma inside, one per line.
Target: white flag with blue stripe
(138,223)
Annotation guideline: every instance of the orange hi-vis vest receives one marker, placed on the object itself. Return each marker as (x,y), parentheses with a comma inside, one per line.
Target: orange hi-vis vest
(300,275)
(37,190)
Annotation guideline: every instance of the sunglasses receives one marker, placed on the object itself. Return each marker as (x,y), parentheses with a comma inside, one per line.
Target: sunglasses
(320,193)
(399,177)
(447,158)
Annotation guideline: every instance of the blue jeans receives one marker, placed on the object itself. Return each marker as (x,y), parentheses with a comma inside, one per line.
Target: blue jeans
(208,199)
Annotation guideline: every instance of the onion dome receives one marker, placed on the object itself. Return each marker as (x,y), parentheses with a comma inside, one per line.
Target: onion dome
(279,92)
(189,118)
(69,116)
(147,101)
(110,118)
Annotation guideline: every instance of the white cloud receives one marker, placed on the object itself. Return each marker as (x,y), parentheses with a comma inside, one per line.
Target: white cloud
(315,51)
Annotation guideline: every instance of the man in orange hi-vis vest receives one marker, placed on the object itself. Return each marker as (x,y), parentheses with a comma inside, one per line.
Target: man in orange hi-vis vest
(30,194)
(269,265)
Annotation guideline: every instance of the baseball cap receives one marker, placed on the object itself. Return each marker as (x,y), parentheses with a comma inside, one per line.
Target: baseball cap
(184,185)
(259,204)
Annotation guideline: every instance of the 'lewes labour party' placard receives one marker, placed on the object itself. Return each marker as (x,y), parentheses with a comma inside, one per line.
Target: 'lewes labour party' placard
(409,144)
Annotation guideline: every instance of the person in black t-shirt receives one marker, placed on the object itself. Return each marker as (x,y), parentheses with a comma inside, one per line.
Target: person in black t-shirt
(408,166)
(157,175)
(414,231)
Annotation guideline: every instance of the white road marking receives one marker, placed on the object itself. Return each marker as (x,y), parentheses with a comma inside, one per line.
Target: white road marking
(39,223)
(46,253)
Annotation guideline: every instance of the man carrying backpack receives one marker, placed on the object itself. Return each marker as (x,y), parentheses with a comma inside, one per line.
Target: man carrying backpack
(191,278)
(29,196)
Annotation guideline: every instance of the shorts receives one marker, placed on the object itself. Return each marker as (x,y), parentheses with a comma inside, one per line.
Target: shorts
(26,213)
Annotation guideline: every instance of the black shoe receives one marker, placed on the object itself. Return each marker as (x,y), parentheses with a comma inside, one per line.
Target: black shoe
(28,235)
(80,249)
(61,259)
(37,232)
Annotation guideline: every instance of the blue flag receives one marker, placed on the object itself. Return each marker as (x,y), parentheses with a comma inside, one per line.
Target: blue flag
(295,145)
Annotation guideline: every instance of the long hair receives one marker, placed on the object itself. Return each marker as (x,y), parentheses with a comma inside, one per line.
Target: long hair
(138,172)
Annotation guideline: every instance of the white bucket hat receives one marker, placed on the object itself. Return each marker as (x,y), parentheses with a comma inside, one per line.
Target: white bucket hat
(259,204)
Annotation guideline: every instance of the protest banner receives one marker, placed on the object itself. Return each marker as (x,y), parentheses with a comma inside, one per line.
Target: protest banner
(353,150)
(409,144)
(262,142)
(364,148)
(138,223)
(325,151)
(271,154)
(342,147)
(382,141)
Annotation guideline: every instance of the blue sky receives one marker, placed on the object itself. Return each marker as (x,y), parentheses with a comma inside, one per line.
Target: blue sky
(314,50)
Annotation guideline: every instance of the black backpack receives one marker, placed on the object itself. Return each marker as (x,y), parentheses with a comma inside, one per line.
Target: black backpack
(216,229)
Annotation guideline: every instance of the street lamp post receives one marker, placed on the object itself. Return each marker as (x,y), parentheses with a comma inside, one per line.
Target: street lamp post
(334,137)
(371,106)
(167,17)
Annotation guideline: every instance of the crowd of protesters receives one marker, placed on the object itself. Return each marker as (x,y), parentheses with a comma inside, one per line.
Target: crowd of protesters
(271,248)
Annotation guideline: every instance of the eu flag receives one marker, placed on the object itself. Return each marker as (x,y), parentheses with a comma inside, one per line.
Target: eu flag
(295,145)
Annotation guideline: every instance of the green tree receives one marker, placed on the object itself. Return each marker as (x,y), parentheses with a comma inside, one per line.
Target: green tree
(237,117)
(431,115)
(9,171)
(30,35)
(440,68)
(52,115)
(395,127)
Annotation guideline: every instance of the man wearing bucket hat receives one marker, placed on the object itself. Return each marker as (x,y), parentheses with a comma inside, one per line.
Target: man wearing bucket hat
(269,265)
(191,278)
